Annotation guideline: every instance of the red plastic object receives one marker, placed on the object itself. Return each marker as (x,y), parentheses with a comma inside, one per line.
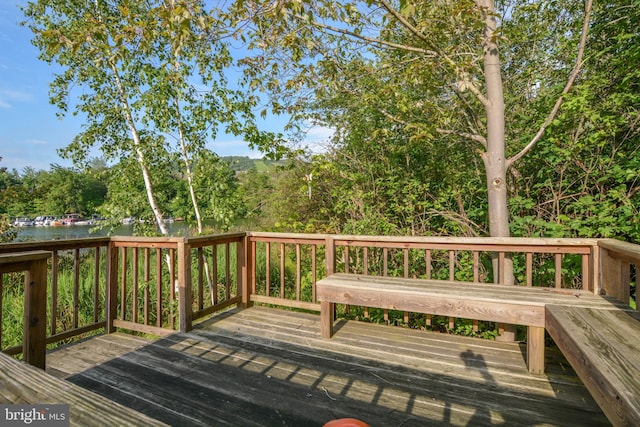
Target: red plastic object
(346,422)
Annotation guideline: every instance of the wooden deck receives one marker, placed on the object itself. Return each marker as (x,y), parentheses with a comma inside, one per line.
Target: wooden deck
(266,367)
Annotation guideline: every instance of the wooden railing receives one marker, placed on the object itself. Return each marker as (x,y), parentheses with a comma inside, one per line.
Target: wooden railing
(159,285)
(285,267)
(75,289)
(619,263)
(147,285)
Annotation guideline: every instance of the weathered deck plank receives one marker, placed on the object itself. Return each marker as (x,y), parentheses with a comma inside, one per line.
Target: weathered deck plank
(24,384)
(270,367)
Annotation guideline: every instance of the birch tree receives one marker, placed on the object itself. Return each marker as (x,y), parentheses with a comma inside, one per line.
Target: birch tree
(143,74)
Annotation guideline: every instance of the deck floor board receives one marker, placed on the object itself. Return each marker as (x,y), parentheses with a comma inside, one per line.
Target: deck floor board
(269,367)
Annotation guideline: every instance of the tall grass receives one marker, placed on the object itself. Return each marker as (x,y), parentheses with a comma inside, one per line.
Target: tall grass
(69,313)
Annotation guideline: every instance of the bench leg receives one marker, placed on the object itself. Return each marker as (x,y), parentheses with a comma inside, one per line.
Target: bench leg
(326,318)
(535,349)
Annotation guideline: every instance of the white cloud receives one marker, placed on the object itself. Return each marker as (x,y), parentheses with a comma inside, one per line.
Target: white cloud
(8,95)
(36,142)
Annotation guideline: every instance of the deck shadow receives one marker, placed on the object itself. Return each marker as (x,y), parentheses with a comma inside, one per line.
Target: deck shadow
(219,374)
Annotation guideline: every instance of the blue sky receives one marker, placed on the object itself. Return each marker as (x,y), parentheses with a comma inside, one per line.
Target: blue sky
(30,131)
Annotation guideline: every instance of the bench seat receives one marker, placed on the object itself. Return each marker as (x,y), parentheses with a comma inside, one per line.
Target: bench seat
(490,302)
(603,347)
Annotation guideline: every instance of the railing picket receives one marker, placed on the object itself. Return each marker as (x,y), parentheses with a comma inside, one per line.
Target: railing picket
(427,263)
(586,282)
(147,264)
(558,270)
(123,275)
(501,268)
(136,274)
(252,268)
(385,261)
(365,261)
(298,271)
(214,273)
(476,266)
(268,267)
(227,260)
(54,293)
(172,287)
(76,287)
(347,261)
(200,279)
(158,287)
(452,265)
(314,273)
(529,268)
(146,304)
(96,284)
(405,253)
(282,271)
(427,267)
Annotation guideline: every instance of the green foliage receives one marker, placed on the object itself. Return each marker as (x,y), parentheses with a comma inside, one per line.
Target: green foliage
(582,180)
(217,190)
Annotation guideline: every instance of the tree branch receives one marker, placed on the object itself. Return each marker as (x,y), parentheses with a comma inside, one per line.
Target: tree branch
(415,31)
(572,78)
(392,117)
(474,137)
(474,90)
(368,39)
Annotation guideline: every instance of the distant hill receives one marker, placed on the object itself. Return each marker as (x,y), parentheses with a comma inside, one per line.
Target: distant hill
(244,163)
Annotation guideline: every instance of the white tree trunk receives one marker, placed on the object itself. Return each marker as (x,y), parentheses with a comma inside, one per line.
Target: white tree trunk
(495,161)
(137,144)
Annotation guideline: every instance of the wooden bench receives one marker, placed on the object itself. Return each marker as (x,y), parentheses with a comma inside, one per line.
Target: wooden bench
(603,347)
(26,385)
(498,303)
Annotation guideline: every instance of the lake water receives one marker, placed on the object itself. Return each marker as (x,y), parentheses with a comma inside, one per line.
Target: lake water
(27,234)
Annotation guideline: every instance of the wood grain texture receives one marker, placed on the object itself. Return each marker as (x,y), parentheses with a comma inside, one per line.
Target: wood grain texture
(267,367)
(489,302)
(24,384)
(603,346)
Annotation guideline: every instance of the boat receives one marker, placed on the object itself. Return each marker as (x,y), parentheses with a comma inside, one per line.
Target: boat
(43,220)
(71,219)
(23,222)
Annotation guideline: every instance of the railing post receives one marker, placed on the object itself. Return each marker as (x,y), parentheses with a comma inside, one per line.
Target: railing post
(184,286)
(615,276)
(34,348)
(111,305)
(330,255)
(34,264)
(245,269)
